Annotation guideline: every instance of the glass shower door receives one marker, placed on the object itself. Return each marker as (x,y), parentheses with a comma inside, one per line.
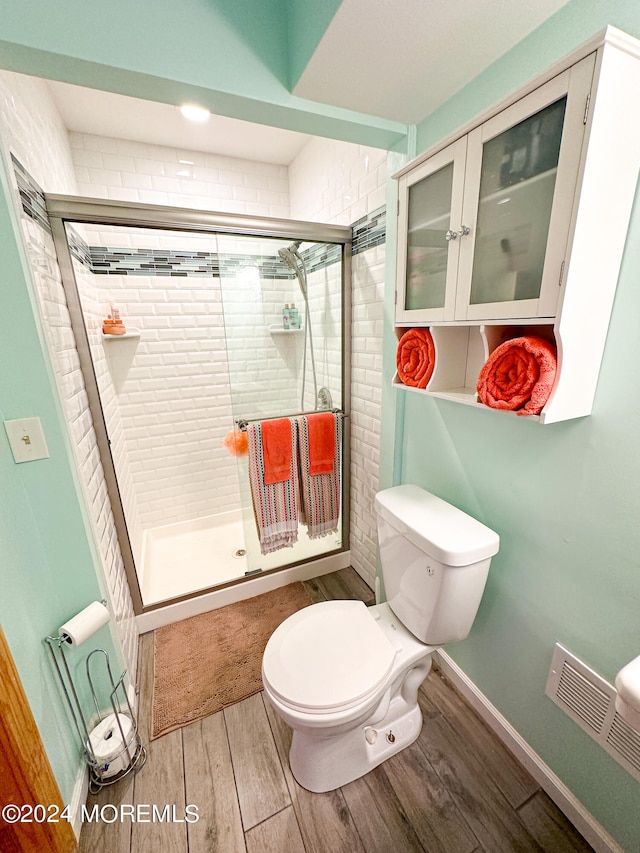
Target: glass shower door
(163,390)
(279,367)
(206,344)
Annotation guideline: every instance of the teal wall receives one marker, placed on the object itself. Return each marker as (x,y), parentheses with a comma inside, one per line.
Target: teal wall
(231,56)
(47,565)
(565,498)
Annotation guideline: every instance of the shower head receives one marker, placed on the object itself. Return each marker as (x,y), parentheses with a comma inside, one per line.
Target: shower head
(294,260)
(288,255)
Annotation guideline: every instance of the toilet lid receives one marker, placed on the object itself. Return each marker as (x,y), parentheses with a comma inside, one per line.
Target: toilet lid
(326,657)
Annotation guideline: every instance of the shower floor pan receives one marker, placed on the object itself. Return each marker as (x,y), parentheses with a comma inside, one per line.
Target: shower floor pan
(180,559)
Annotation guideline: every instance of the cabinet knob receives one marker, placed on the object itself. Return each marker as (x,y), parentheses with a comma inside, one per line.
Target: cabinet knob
(453,235)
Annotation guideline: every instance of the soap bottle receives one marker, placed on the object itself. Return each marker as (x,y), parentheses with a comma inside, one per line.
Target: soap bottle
(120,328)
(113,325)
(294,321)
(286,316)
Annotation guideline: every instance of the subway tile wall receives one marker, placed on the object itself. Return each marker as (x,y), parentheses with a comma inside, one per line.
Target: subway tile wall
(209,351)
(366,396)
(337,182)
(93,306)
(152,174)
(171,385)
(32,132)
(32,129)
(332,181)
(329,181)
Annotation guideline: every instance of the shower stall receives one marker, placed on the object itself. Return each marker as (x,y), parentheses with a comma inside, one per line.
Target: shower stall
(206,349)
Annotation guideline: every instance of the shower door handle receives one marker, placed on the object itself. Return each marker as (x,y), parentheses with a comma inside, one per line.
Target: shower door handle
(463,231)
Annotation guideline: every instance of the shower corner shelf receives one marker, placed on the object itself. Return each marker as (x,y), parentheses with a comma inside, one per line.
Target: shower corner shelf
(278,330)
(133,334)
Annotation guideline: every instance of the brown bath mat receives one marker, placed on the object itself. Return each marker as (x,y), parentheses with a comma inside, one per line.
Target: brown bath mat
(210,661)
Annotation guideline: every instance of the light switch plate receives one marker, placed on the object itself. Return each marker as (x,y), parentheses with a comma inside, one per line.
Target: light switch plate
(26,439)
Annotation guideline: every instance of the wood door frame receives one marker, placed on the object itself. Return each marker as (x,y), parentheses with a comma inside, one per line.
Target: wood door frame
(26,777)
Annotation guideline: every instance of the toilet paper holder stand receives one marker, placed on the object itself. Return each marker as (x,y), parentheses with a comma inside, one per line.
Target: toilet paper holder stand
(133,755)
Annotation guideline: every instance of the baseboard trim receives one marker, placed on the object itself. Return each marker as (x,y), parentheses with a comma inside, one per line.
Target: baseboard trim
(79,799)
(552,785)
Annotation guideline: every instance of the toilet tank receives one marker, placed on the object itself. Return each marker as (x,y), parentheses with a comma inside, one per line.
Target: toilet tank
(435,561)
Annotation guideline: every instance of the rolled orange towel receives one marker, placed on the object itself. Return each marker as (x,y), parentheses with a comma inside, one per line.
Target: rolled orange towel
(519,375)
(416,357)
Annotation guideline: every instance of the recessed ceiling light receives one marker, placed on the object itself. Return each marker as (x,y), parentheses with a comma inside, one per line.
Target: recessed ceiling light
(194,113)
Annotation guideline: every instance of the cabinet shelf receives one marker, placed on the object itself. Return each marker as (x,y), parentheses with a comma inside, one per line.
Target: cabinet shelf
(499,193)
(464,396)
(460,352)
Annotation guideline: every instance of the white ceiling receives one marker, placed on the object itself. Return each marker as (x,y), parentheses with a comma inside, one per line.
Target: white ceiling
(118,116)
(400,59)
(395,59)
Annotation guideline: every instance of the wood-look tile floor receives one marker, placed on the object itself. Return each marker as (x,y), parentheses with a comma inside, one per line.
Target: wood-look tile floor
(455,790)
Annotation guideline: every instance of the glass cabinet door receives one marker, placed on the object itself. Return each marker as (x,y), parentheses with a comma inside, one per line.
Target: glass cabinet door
(517,181)
(521,174)
(429,216)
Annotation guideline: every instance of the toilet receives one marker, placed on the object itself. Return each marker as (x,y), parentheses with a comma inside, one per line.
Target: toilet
(344,676)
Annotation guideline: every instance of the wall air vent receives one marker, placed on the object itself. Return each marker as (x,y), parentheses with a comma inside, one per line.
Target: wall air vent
(625,741)
(585,699)
(590,702)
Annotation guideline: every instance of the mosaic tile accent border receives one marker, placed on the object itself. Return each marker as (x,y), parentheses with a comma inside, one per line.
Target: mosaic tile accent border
(106,261)
(369,231)
(78,247)
(103,260)
(31,195)
(321,255)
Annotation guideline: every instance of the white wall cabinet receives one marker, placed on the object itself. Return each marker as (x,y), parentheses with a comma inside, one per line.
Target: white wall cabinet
(517,225)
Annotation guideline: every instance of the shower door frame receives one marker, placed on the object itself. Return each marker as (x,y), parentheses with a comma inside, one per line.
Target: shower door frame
(62,209)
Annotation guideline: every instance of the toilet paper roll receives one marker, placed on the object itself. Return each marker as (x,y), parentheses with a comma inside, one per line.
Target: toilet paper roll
(85,623)
(112,753)
(106,739)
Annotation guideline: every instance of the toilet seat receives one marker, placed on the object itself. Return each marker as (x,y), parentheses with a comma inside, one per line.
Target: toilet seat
(327,657)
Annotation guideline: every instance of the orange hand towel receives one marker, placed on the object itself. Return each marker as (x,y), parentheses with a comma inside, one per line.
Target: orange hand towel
(276,450)
(416,357)
(322,443)
(519,375)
